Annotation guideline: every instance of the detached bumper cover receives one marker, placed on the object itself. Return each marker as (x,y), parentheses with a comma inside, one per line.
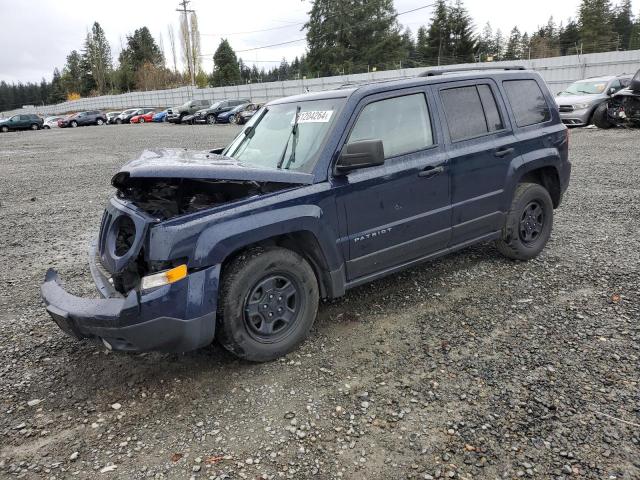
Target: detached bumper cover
(175,318)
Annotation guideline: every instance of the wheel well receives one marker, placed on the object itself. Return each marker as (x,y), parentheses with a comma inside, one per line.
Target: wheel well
(304,244)
(549,179)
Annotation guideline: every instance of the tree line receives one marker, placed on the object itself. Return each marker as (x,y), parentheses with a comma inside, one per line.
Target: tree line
(350,36)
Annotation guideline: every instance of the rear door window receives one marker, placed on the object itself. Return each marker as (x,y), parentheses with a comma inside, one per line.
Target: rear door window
(527,102)
(402,123)
(471,111)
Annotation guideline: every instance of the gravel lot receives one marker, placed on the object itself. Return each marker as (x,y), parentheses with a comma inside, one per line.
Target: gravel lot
(468,367)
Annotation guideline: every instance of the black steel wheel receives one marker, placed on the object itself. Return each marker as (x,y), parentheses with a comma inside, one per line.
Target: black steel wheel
(272,307)
(267,303)
(528,223)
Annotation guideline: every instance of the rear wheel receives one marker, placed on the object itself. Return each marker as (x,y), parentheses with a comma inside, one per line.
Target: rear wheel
(601,116)
(74,124)
(99,122)
(182,115)
(268,302)
(34,126)
(529,222)
(142,120)
(232,119)
(46,127)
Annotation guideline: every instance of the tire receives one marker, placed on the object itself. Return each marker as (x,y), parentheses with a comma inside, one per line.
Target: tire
(34,126)
(211,119)
(118,121)
(266,275)
(601,118)
(47,127)
(4,129)
(99,122)
(232,119)
(74,124)
(142,120)
(528,224)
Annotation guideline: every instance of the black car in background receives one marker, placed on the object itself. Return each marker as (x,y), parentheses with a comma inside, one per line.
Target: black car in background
(82,119)
(28,121)
(209,115)
(245,115)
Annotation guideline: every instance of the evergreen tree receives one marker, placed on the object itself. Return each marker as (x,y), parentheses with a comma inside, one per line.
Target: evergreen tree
(623,24)
(486,46)
(596,31)
(422,47)
(463,43)
(569,38)
(498,46)
(343,36)
(634,41)
(97,58)
(72,73)
(409,47)
(439,35)
(226,70)
(513,50)
(141,50)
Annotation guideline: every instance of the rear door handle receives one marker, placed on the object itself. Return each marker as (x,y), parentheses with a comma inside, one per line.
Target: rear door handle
(431,171)
(503,152)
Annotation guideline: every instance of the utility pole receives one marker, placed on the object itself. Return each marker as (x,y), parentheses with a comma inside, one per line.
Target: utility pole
(184,4)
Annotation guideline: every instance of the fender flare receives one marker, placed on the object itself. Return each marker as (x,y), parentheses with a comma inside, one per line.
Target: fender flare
(523,164)
(217,242)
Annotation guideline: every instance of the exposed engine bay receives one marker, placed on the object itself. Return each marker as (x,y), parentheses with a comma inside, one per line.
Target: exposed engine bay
(166,198)
(622,109)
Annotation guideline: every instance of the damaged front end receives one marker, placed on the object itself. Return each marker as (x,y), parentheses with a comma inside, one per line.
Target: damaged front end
(146,306)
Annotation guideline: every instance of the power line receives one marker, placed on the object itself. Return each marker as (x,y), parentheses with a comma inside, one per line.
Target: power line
(229,34)
(303,39)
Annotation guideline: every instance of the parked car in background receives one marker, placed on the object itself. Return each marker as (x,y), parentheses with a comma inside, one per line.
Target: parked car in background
(160,116)
(326,192)
(111,117)
(578,102)
(24,121)
(622,109)
(51,122)
(188,108)
(249,112)
(209,114)
(142,118)
(188,119)
(83,119)
(231,116)
(125,116)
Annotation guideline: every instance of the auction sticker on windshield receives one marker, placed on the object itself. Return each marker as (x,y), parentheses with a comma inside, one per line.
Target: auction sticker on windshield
(317,116)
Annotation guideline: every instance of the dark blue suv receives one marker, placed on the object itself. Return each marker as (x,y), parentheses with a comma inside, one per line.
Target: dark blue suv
(319,193)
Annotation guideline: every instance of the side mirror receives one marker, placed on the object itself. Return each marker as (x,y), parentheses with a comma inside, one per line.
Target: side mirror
(611,91)
(363,154)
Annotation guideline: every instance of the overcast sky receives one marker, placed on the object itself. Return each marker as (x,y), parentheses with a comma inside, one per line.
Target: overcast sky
(37,35)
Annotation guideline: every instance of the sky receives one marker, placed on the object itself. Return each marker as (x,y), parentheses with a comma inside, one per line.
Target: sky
(37,35)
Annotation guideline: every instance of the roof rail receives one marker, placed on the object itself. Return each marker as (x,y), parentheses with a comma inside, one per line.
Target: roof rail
(435,73)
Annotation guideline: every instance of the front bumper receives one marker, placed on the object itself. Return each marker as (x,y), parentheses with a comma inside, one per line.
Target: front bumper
(576,118)
(174,318)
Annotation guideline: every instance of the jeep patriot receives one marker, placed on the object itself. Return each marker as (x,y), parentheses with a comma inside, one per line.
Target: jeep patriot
(319,193)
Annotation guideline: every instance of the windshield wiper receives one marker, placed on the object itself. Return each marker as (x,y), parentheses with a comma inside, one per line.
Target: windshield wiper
(584,91)
(294,133)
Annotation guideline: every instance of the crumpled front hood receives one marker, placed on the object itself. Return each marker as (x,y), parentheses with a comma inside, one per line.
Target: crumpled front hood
(182,163)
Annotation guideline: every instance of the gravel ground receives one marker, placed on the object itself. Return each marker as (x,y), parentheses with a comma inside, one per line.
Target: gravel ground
(468,367)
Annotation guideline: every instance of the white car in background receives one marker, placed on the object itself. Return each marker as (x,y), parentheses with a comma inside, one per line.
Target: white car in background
(51,122)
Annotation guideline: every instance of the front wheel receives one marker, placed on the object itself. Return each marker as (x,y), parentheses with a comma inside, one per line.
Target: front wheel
(34,126)
(74,124)
(4,129)
(267,304)
(529,222)
(211,119)
(99,122)
(232,119)
(601,116)
(118,121)
(142,120)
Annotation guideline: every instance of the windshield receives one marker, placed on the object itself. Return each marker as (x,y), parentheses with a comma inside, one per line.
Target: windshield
(270,140)
(585,88)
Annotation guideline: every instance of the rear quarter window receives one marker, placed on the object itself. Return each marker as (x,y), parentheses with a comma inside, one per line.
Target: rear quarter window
(527,102)
(471,111)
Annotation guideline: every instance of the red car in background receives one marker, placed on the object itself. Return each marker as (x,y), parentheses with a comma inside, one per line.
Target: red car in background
(147,117)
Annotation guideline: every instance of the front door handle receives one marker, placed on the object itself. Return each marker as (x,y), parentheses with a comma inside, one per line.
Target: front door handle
(431,171)
(503,152)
